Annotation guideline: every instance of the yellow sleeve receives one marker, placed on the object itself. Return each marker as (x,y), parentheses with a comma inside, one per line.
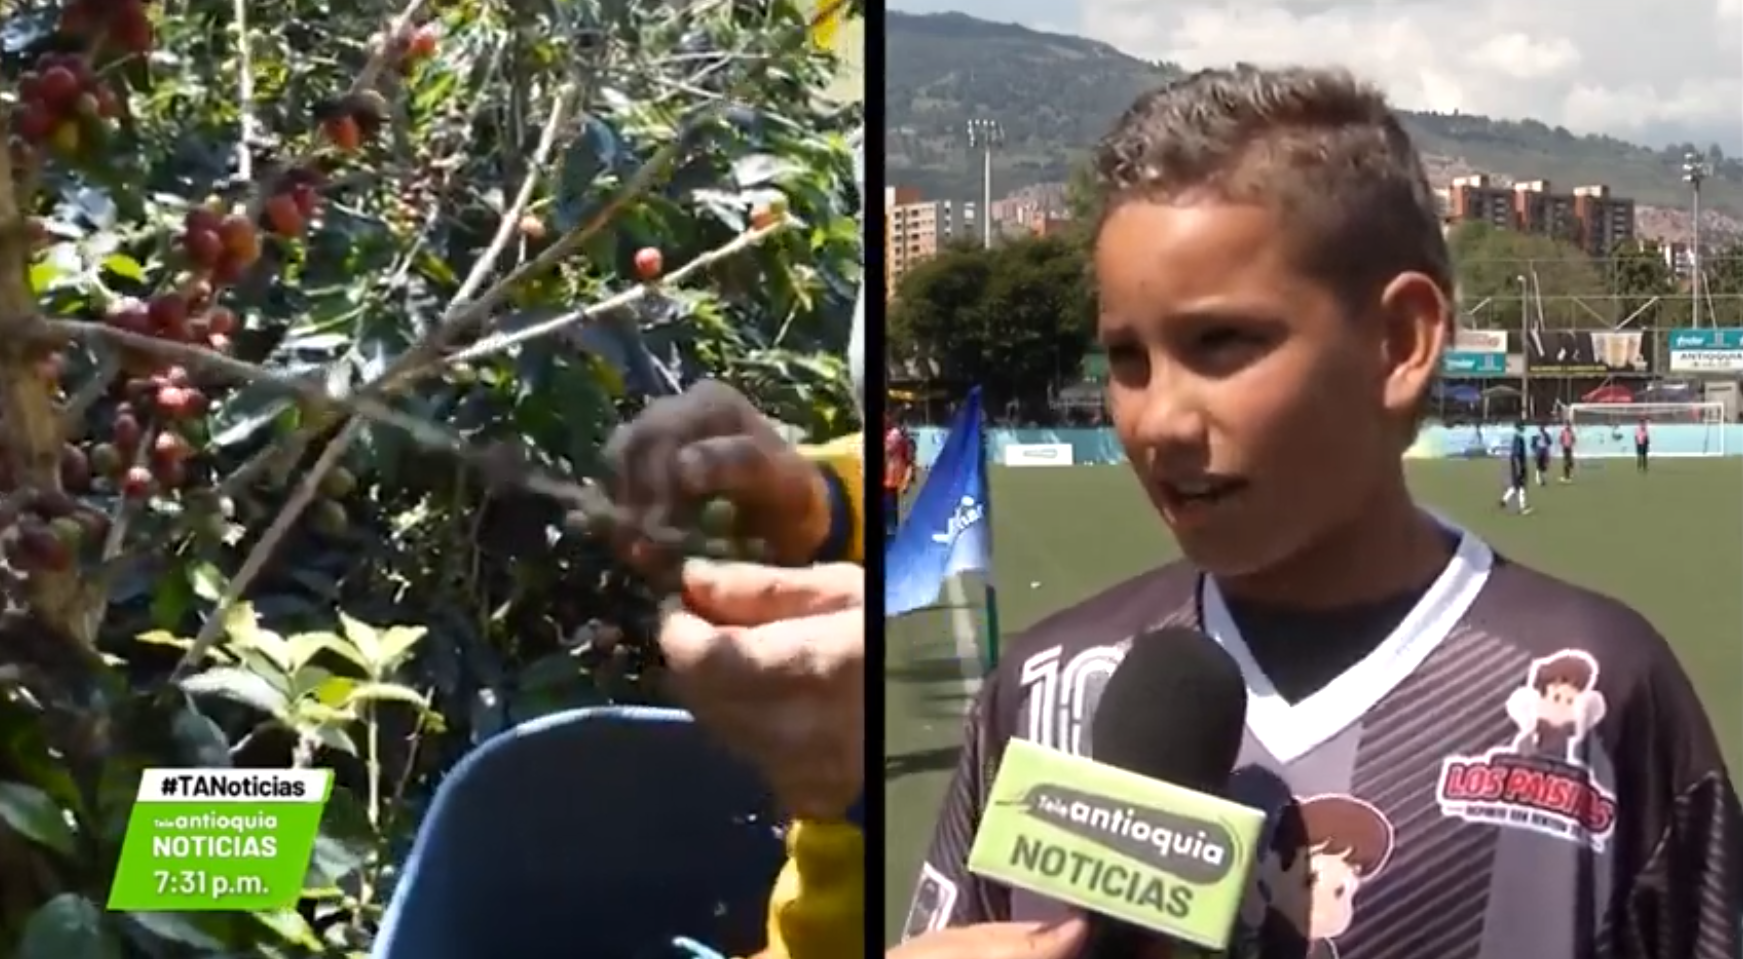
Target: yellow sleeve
(817,910)
(845,458)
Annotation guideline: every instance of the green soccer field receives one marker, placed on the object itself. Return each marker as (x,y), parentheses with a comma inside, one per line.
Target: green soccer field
(1670,544)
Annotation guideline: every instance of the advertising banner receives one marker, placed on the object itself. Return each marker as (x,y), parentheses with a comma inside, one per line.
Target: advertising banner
(1038,454)
(1706,351)
(1463,363)
(1480,341)
(1479,353)
(1588,352)
(1706,339)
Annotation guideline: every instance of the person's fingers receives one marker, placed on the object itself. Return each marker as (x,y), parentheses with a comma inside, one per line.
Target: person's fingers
(789,697)
(999,940)
(1062,940)
(642,454)
(744,660)
(749,594)
(689,645)
(735,467)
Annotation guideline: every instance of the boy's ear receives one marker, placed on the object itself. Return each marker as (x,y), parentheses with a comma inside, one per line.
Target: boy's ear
(1417,316)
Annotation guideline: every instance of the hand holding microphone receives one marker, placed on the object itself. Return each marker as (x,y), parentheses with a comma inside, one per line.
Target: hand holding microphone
(1138,835)
(998,940)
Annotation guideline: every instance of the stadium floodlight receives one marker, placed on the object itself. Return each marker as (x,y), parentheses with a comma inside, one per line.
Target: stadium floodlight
(983,135)
(1694,170)
(1606,430)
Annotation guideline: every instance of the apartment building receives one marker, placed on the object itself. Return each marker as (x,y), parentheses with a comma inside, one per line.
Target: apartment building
(1539,209)
(901,233)
(1477,199)
(1588,217)
(915,230)
(1606,222)
(1041,223)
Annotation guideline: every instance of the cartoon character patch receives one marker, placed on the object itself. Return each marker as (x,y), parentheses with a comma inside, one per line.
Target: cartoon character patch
(1273,918)
(1318,852)
(1540,780)
(1349,842)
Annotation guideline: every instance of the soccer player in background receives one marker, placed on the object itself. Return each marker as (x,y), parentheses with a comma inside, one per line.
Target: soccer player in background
(1540,447)
(1518,466)
(1642,445)
(898,471)
(1567,452)
(1275,294)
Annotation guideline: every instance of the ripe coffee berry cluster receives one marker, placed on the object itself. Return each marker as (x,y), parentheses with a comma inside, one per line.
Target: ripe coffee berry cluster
(350,121)
(171,399)
(47,531)
(218,245)
(114,26)
(414,46)
(60,101)
(292,203)
(180,316)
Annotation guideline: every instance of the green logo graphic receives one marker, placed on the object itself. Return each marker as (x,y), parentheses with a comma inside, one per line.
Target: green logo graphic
(1115,843)
(219,839)
(1197,850)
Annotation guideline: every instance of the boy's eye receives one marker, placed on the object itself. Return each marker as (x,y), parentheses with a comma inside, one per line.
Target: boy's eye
(1222,338)
(1225,350)
(1123,353)
(1126,360)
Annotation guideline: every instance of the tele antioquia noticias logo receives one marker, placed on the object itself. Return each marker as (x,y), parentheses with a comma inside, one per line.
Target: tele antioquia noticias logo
(219,839)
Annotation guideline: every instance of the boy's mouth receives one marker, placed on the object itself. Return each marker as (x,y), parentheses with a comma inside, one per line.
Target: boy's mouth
(1199,492)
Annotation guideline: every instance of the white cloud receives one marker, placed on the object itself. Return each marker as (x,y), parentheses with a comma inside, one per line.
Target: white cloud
(1520,57)
(1647,71)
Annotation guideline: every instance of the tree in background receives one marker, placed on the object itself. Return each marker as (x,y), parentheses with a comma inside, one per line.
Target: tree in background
(1495,268)
(1646,288)
(1015,319)
(1723,302)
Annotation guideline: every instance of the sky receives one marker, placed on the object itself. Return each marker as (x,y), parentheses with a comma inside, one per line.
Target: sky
(1648,71)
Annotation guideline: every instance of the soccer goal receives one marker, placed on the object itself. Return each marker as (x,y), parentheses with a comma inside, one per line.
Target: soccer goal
(1603,430)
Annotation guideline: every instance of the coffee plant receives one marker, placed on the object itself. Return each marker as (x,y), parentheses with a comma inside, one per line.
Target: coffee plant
(314,317)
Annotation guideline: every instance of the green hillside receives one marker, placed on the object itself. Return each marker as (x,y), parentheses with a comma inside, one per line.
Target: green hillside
(1055,95)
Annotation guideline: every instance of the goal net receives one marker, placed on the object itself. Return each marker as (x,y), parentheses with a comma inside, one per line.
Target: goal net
(1677,429)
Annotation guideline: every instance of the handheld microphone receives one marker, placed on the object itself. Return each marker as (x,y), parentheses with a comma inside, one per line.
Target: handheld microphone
(1136,834)
(1171,681)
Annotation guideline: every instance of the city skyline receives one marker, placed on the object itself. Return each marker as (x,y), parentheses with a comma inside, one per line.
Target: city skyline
(1580,67)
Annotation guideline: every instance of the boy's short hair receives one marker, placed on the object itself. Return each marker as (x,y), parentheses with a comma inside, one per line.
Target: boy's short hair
(1321,147)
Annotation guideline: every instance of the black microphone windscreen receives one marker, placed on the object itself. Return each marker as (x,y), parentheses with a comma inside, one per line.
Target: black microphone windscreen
(1174,710)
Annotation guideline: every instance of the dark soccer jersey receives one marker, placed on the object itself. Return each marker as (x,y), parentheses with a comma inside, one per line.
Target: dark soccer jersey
(1520,771)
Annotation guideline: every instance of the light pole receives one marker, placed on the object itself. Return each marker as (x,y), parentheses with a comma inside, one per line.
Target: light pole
(984,135)
(1524,344)
(1694,170)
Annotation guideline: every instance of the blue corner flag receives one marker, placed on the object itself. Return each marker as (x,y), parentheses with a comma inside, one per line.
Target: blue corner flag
(949,530)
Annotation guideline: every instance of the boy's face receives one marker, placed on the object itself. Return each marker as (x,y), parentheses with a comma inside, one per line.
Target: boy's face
(1257,412)
(1558,705)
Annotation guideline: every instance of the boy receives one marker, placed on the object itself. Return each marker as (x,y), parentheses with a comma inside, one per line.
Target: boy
(1275,294)
(1540,447)
(1567,452)
(1642,444)
(1516,470)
